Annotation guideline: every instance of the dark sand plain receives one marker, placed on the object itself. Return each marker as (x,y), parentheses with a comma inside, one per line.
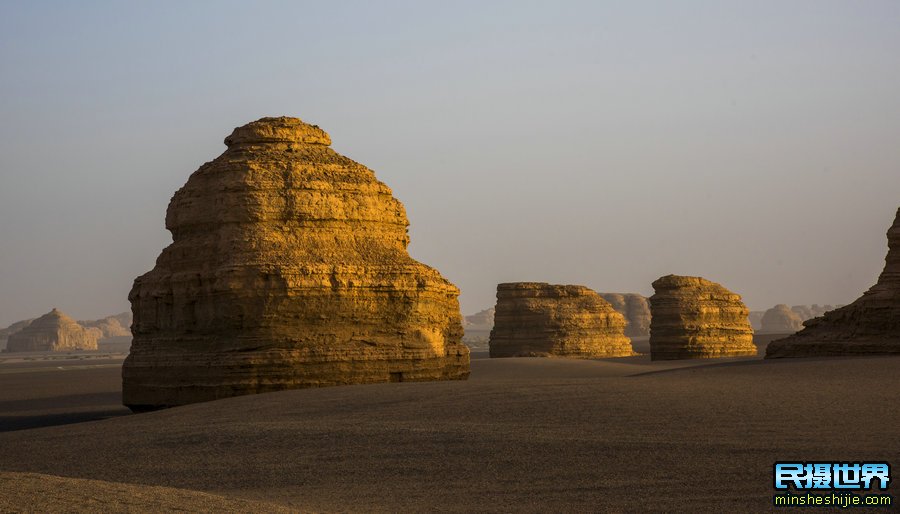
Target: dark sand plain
(521,435)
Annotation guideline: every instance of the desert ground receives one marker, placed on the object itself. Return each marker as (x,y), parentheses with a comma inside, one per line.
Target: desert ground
(521,435)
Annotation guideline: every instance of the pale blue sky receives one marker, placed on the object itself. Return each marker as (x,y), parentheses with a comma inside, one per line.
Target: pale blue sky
(597,143)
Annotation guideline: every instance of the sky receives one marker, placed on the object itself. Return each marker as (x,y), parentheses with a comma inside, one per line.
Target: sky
(756,144)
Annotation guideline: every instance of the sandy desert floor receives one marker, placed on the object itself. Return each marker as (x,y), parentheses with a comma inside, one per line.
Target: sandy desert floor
(521,435)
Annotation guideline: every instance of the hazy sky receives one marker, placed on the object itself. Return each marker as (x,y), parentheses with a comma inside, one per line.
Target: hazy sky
(600,143)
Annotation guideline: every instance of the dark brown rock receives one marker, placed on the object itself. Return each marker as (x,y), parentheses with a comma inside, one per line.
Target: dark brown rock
(868,326)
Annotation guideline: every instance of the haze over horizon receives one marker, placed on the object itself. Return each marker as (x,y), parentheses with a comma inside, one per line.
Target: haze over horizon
(753,144)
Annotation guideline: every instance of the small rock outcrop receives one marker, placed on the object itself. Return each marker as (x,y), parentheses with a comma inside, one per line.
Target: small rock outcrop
(110,326)
(868,326)
(52,332)
(781,319)
(539,319)
(288,269)
(635,308)
(694,318)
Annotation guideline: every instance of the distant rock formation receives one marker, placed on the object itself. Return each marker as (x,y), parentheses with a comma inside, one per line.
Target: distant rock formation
(481,320)
(635,308)
(868,326)
(12,329)
(110,326)
(815,310)
(755,318)
(478,330)
(52,332)
(289,269)
(694,318)
(539,319)
(781,319)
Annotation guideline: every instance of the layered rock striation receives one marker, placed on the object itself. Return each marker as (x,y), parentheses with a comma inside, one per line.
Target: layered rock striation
(868,326)
(539,319)
(289,269)
(694,318)
(52,332)
(781,319)
(635,308)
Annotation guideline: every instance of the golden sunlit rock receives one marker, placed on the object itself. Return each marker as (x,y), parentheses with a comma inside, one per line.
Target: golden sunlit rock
(53,332)
(538,319)
(288,269)
(694,318)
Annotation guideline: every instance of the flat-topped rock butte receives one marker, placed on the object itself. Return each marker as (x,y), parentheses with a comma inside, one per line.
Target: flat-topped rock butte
(539,319)
(695,318)
(289,269)
(868,326)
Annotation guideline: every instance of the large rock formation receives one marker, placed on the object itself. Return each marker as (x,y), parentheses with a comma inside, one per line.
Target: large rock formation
(538,319)
(781,319)
(635,308)
(288,269)
(52,332)
(868,326)
(694,318)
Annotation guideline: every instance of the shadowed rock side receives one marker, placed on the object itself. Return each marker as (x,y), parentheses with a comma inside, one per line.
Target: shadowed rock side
(288,269)
(781,319)
(538,319)
(868,326)
(635,308)
(694,318)
(12,329)
(53,332)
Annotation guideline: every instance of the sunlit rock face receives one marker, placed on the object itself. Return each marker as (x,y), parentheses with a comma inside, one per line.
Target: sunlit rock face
(868,326)
(538,319)
(781,319)
(52,332)
(694,318)
(110,326)
(288,269)
(635,308)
